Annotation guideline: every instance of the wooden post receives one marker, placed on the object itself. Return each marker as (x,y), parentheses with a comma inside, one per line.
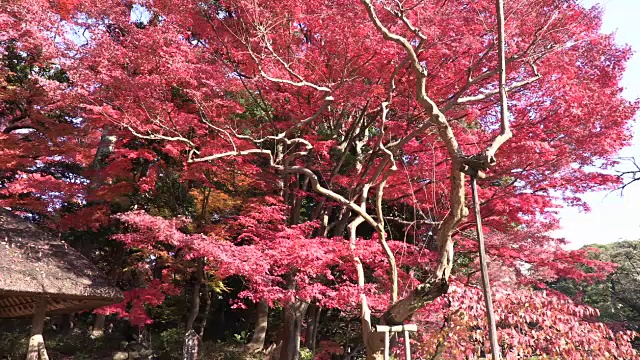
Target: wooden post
(386,345)
(36,350)
(486,286)
(407,346)
(190,348)
(387,330)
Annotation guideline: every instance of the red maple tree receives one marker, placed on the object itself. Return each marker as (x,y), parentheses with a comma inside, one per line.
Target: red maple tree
(356,120)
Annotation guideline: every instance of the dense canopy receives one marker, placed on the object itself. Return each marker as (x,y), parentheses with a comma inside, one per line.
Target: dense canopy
(316,151)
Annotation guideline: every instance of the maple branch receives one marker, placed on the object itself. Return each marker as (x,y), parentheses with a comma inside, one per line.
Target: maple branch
(365,316)
(435,287)
(400,14)
(315,185)
(491,93)
(149,136)
(383,241)
(380,188)
(300,83)
(633,174)
(203,117)
(231,153)
(152,136)
(436,117)
(327,102)
(282,136)
(505,130)
(411,223)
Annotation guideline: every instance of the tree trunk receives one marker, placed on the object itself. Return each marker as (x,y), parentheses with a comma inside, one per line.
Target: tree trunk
(293,316)
(98,326)
(36,350)
(207,308)
(105,148)
(313,322)
(340,226)
(195,296)
(65,323)
(403,310)
(257,340)
(191,338)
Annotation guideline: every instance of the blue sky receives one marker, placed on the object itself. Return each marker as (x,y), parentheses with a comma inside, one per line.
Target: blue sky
(613,217)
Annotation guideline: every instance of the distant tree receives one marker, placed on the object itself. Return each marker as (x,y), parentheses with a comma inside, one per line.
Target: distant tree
(618,296)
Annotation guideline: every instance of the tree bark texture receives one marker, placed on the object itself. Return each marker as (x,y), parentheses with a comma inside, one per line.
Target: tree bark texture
(313,322)
(205,315)
(191,338)
(293,316)
(98,326)
(259,334)
(195,296)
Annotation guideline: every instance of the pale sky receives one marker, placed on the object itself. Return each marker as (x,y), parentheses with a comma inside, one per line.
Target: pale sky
(612,217)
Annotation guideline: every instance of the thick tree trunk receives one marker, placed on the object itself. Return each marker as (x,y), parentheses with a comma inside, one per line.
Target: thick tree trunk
(195,296)
(66,323)
(191,338)
(36,350)
(262,316)
(313,322)
(205,315)
(293,316)
(98,326)
(403,310)
(105,148)
(341,224)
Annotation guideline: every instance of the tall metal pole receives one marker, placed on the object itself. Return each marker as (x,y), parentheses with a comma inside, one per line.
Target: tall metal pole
(486,287)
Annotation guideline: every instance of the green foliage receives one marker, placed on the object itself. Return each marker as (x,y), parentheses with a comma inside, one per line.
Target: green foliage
(13,345)
(225,351)
(305,354)
(618,296)
(171,197)
(241,338)
(254,107)
(172,340)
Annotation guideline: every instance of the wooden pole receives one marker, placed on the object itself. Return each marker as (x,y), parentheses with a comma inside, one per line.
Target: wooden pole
(36,350)
(486,287)
(386,346)
(407,346)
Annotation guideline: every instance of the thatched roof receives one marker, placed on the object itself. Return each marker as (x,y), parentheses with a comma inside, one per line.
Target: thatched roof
(35,265)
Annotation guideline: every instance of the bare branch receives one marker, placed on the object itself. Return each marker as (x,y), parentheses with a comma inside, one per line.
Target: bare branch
(491,93)
(437,118)
(293,83)
(505,130)
(231,153)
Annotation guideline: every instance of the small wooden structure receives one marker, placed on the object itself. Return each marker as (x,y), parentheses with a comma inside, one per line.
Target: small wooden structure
(41,275)
(404,329)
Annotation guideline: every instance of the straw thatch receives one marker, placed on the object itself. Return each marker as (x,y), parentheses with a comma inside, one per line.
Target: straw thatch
(34,265)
